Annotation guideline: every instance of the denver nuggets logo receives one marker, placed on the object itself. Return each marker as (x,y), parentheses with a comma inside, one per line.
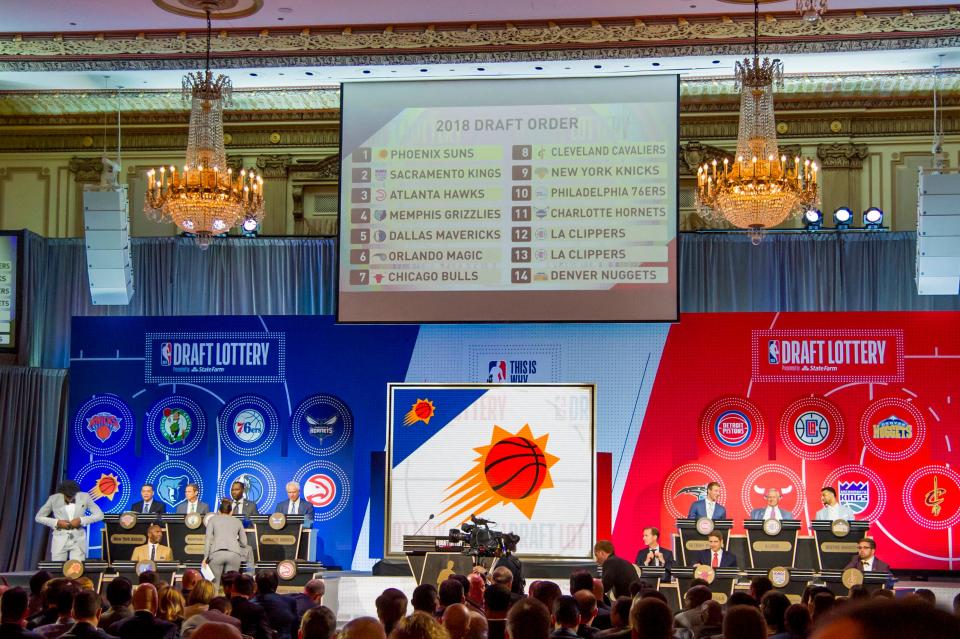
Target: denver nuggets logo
(512,469)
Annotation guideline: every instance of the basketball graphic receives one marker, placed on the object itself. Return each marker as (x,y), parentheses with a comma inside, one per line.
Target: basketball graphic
(515,467)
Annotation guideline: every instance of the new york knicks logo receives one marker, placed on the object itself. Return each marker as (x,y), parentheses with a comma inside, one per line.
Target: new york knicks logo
(512,469)
(103,424)
(733,428)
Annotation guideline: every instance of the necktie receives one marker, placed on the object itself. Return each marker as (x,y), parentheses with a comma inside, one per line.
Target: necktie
(710,510)
(236,507)
(192,508)
(291,510)
(716,560)
(146,507)
(656,562)
(153,552)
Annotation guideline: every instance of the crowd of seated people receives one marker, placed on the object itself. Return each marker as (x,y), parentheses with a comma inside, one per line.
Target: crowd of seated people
(463,607)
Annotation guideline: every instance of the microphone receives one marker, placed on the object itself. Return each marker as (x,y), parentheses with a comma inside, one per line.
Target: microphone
(480,521)
(424,524)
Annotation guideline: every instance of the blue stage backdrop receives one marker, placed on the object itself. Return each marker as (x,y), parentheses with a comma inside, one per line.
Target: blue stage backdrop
(215,399)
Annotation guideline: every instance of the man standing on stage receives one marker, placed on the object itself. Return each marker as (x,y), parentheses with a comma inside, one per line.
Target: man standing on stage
(832,509)
(192,503)
(69,507)
(708,506)
(294,505)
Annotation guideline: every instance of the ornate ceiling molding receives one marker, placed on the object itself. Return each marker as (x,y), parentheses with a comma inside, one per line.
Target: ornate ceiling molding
(363,45)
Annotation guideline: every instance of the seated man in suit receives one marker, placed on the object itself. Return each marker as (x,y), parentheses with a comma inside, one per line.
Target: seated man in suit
(708,506)
(153,550)
(654,554)
(192,503)
(832,509)
(866,560)
(241,505)
(65,512)
(147,504)
(773,510)
(715,556)
(294,505)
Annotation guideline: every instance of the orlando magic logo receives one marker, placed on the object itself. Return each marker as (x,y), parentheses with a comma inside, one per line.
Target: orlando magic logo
(170,490)
(855,494)
(811,428)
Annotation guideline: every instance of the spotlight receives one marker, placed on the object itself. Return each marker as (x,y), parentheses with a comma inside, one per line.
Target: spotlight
(249,228)
(842,218)
(813,219)
(873,218)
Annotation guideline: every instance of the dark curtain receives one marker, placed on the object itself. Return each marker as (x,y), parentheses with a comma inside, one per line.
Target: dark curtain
(33,416)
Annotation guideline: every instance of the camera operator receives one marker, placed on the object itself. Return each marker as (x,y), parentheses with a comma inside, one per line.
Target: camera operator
(509,561)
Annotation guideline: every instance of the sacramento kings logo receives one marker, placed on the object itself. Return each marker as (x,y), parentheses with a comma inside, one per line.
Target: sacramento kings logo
(811,428)
(855,494)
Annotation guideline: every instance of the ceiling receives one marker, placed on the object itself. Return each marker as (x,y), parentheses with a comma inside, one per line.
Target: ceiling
(55,16)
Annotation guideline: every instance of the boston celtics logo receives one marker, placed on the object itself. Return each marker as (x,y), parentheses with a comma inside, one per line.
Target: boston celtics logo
(175,425)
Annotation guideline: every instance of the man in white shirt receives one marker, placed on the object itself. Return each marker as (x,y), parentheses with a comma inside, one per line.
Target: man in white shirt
(294,504)
(708,506)
(66,513)
(773,510)
(192,503)
(654,554)
(832,509)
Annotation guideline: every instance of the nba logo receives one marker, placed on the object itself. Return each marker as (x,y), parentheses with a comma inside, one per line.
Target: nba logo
(166,354)
(498,371)
(773,352)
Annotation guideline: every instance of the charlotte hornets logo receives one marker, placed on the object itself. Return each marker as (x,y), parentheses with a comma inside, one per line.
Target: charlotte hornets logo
(170,490)
(322,424)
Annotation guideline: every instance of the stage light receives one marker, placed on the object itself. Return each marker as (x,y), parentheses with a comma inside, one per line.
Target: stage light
(250,227)
(873,218)
(842,218)
(813,219)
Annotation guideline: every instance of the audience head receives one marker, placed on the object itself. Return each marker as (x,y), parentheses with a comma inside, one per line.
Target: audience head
(425,598)
(170,605)
(528,619)
(587,604)
(598,589)
(711,613)
(419,625)
(191,577)
(362,628)
(227,580)
(697,581)
(478,627)
(566,612)
(744,622)
(695,597)
(222,604)
(651,593)
(546,592)
(580,580)
(216,630)
(759,586)
(119,592)
(822,603)
(65,596)
(315,589)
(812,591)
(620,612)
(773,605)
(882,593)
(636,587)
(858,591)
(451,592)
(243,586)
(317,623)
(267,581)
(502,577)
(145,598)
(926,595)
(796,620)
(86,606)
(956,604)
(650,618)
(37,581)
(456,618)
(391,607)
(148,577)
(740,598)
(476,586)
(496,601)
(602,549)
(887,619)
(13,605)
(202,592)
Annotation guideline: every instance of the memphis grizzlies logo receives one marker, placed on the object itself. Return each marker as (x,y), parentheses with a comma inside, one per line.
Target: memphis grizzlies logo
(170,490)
(811,428)
(170,479)
(855,494)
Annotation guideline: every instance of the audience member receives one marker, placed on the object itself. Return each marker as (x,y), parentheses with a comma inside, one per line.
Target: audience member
(170,606)
(425,599)
(650,618)
(796,620)
(619,620)
(773,607)
(883,619)
(546,592)
(496,603)
(391,608)
(362,628)
(580,580)
(149,577)
(501,576)
(883,593)
(759,586)
(566,618)
(253,618)
(419,625)
(618,573)
(925,595)
(317,623)
(49,594)
(858,591)
(37,581)
(449,593)
(711,614)
(143,624)
(218,611)
(188,581)
(281,611)
(821,604)
(587,604)
(311,597)
(690,617)
(119,595)
(216,630)
(744,622)
(740,598)
(86,612)
(474,596)
(14,606)
(528,619)
(456,619)
(956,605)
(199,599)
(64,607)
(477,627)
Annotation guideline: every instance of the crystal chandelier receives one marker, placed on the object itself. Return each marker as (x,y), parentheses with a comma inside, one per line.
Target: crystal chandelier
(811,10)
(760,188)
(206,198)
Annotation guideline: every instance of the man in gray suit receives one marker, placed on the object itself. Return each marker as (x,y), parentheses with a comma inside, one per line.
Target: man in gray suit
(226,542)
(192,503)
(773,510)
(66,513)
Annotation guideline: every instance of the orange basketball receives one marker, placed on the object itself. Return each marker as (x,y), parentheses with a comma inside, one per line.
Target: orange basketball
(515,467)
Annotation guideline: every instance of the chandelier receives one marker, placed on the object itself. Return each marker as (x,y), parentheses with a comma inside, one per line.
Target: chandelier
(760,188)
(811,10)
(207,198)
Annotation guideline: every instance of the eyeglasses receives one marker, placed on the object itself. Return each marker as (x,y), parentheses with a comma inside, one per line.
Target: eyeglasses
(863,547)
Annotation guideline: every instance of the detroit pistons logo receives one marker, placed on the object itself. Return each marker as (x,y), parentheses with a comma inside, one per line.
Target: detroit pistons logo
(733,428)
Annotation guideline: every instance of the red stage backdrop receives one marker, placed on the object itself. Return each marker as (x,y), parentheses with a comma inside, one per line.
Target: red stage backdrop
(864,402)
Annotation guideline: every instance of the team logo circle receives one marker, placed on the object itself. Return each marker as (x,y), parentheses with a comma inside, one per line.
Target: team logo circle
(851,577)
(277,521)
(687,484)
(127,520)
(193,520)
(259,485)
(732,428)
(861,489)
(322,425)
(170,479)
(931,497)
(287,569)
(840,527)
(772,527)
(705,525)
(73,569)
(763,478)
(248,425)
(892,429)
(326,486)
(812,428)
(175,425)
(107,483)
(779,576)
(103,424)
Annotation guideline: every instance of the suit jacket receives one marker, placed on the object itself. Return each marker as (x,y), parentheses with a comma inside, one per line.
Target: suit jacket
(698,509)
(618,574)
(142,553)
(156,507)
(844,513)
(758,513)
(202,508)
(225,532)
(668,559)
(56,508)
(115,614)
(16,631)
(281,614)
(143,625)
(249,509)
(705,558)
(252,616)
(302,604)
(84,630)
(194,621)
(496,628)
(304,508)
(878,566)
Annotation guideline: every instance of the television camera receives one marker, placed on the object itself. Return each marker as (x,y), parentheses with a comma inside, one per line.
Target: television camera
(480,541)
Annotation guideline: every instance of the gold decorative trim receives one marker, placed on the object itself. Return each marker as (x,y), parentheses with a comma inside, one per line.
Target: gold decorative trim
(842,156)
(227,12)
(274,166)
(785,27)
(86,170)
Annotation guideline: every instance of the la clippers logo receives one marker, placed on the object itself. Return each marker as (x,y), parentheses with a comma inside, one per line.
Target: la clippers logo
(733,428)
(166,354)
